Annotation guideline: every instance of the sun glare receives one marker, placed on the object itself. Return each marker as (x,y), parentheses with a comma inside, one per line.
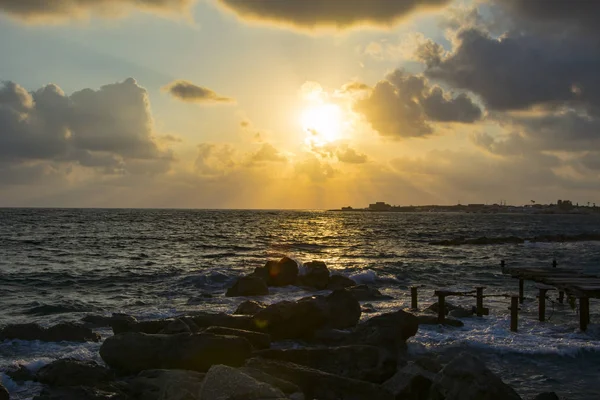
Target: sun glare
(322,124)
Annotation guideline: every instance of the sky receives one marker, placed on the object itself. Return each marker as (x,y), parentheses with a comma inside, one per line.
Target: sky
(298,104)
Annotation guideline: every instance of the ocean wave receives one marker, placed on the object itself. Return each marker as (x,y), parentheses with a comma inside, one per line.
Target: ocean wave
(39,309)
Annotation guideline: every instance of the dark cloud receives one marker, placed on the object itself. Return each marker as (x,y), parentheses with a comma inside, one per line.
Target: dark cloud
(350,156)
(191,93)
(36,10)
(403,105)
(109,129)
(355,87)
(340,14)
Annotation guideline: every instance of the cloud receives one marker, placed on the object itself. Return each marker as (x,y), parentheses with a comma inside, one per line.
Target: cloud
(403,105)
(350,156)
(338,14)
(61,10)
(191,93)
(109,130)
(268,153)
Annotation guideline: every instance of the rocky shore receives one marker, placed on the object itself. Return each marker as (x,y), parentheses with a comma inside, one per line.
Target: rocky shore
(317,347)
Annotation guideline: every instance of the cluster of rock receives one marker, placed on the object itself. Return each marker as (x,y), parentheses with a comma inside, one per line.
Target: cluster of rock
(582,237)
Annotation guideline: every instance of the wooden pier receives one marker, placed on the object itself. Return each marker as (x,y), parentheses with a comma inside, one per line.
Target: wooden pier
(572,282)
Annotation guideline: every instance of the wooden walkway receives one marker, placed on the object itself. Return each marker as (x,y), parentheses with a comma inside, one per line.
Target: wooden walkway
(572,282)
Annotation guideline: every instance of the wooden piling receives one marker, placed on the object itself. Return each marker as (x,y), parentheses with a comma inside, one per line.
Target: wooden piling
(584,313)
(480,301)
(413,298)
(542,305)
(514,313)
(554,263)
(521,290)
(441,308)
(502,265)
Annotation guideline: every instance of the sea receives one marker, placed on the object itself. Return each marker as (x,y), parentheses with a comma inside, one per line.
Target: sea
(62,264)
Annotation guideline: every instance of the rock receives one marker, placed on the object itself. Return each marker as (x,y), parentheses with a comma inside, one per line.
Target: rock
(164,384)
(135,352)
(546,396)
(339,282)
(365,293)
(461,313)
(101,321)
(78,393)
(19,373)
(433,320)
(410,383)
(321,385)
(65,331)
(71,372)
(449,307)
(226,383)
(367,363)
(332,337)
(248,286)
(390,330)
(263,272)
(4,395)
(199,320)
(249,307)
(285,386)
(176,326)
(257,340)
(368,308)
(316,275)
(429,363)
(467,378)
(300,319)
(282,273)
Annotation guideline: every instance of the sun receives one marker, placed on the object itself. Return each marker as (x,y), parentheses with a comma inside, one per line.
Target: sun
(323,124)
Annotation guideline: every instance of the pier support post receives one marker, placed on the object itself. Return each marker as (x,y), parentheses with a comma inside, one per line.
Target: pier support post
(554,263)
(561,297)
(441,308)
(502,265)
(514,313)
(413,298)
(542,305)
(480,301)
(521,290)
(584,313)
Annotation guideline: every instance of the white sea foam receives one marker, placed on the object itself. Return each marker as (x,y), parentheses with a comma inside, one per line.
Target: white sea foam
(365,276)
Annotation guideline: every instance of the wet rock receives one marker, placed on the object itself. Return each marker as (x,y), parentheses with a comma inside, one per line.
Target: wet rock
(163,384)
(66,331)
(389,330)
(368,308)
(300,319)
(101,321)
(19,373)
(367,363)
(332,337)
(71,372)
(339,282)
(257,340)
(248,286)
(249,307)
(226,383)
(366,293)
(316,275)
(461,313)
(467,378)
(4,395)
(285,386)
(135,352)
(433,320)
(448,307)
(282,273)
(410,383)
(78,393)
(195,322)
(319,384)
(547,396)
(429,363)
(176,326)
(263,272)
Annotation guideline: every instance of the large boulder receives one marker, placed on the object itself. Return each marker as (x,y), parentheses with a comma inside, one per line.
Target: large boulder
(337,281)
(282,273)
(390,330)
(248,286)
(195,322)
(316,275)
(285,386)
(257,339)
(411,383)
(300,319)
(226,383)
(71,372)
(366,293)
(164,384)
(467,378)
(175,327)
(135,352)
(65,331)
(367,363)
(4,395)
(321,385)
(249,307)
(101,321)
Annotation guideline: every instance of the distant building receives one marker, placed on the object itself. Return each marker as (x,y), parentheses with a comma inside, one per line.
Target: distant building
(347,208)
(380,206)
